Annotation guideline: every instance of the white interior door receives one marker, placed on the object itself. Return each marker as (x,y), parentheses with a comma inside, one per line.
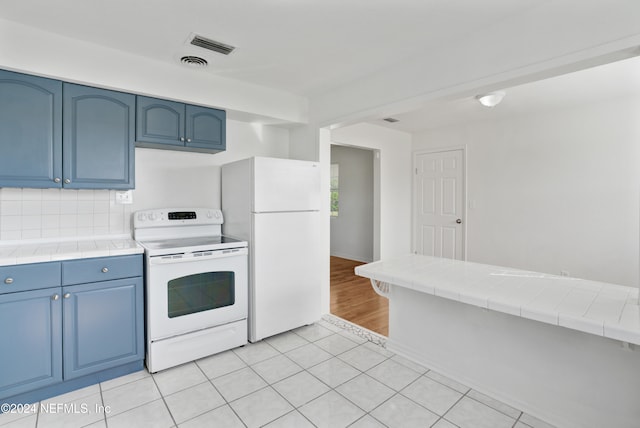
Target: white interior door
(439,204)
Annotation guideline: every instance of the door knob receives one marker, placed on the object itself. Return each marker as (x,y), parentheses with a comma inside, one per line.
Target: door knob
(459,221)
(67,181)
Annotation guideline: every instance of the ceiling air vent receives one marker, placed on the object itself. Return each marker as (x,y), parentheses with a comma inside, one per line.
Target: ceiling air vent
(194,61)
(390,120)
(212,45)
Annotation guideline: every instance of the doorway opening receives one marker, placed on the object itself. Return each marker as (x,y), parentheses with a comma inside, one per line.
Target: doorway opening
(354,237)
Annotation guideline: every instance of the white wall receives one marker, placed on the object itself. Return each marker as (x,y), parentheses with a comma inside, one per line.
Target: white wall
(554,191)
(173,179)
(164,178)
(395,181)
(352,230)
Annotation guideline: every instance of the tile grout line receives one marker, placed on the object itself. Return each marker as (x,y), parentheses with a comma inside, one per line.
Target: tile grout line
(106,423)
(361,373)
(491,407)
(453,405)
(163,400)
(294,408)
(306,370)
(226,402)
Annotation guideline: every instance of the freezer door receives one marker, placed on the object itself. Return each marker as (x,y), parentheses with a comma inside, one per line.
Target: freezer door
(286,185)
(285,279)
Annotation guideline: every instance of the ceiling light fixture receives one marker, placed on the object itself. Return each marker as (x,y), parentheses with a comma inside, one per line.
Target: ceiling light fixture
(491,99)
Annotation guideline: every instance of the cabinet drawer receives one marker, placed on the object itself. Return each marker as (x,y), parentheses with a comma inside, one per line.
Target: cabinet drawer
(29,277)
(101,269)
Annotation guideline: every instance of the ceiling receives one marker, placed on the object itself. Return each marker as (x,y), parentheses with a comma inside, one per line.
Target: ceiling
(310,47)
(596,84)
(305,47)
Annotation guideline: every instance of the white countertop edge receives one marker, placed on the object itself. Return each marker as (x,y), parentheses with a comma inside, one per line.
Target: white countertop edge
(43,241)
(599,327)
(67,249)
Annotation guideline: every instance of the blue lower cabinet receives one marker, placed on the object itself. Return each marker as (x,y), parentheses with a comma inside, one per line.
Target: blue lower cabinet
(31,332)
(58,335)
(102,326)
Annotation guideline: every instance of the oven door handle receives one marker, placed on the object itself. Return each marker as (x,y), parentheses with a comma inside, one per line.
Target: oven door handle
(197,257)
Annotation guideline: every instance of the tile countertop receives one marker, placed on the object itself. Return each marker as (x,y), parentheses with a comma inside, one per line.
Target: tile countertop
(598,308)
(37,251)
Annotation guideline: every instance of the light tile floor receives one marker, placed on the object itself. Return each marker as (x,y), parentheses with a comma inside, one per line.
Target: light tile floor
(321,375)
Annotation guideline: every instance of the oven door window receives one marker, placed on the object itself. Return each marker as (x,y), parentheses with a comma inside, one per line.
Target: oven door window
(200,292)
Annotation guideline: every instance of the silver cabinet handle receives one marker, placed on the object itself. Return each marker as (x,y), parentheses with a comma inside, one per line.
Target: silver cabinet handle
(182,139)
(67,181)
(459,221)
(56,180)
(55,297)
(188,140)
(67,295)
(8,281)
(105,270)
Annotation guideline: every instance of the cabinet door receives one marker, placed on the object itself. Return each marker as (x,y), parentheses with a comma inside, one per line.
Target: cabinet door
(159,121)
(98,136)
(206,128)
(30,328)
(30,131)
(103,325)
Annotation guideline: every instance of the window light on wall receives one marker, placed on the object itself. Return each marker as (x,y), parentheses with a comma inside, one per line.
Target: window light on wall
(334,189)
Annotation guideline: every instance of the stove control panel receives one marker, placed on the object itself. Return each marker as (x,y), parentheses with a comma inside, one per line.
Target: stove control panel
(182,215)
(177,216)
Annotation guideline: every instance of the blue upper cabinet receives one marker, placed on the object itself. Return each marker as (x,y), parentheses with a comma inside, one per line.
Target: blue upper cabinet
(30,131)
(159,122)
(206,128)
(54,134)
(98,135)
(171,125)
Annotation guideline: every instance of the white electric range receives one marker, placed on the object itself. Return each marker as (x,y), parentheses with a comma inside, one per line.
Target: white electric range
(196,285)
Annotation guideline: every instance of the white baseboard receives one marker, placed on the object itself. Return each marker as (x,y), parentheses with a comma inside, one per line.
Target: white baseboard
(351,257)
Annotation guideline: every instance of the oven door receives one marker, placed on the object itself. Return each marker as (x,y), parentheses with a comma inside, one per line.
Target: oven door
(189,292)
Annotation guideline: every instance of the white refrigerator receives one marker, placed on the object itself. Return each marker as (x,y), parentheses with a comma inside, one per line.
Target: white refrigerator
(274,204)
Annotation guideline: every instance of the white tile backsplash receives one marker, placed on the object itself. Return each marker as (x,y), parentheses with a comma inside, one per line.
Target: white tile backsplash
(31,207)
(85,206)
(31,194)
(48,206)
(60,213)
(31,222)
(12,207)
(10,223)
(10,194)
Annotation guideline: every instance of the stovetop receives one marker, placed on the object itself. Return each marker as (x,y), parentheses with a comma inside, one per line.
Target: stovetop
(207,241)
(190,245)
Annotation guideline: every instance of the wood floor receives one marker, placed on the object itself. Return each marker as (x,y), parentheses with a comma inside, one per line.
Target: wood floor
(353,298)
